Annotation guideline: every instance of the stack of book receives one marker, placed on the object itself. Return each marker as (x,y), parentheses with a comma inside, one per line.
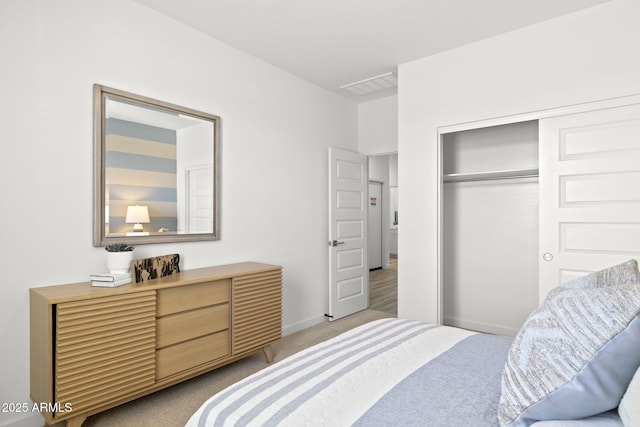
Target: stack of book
(108,280)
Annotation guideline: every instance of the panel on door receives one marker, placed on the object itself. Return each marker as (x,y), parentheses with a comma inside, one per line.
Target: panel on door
(348,272)
(589,193)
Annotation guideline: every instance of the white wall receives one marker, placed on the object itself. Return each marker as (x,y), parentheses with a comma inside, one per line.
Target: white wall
(378,126)
(274,155)
(393,170)
(589,55)
(379,168)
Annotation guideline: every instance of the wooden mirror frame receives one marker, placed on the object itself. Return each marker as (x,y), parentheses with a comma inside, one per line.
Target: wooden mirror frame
(100,237)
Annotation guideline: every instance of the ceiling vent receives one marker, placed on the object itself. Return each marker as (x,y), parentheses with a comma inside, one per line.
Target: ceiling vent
(372,84)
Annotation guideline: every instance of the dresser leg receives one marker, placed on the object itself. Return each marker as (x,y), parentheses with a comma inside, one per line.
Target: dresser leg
(268,353)
(76,421)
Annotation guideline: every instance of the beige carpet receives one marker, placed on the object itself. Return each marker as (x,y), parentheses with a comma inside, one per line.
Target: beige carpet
(173,406)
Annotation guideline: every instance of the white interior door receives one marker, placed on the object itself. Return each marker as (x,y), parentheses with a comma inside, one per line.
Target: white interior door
(348,272)
(589,193)
(374,220)
(199,199)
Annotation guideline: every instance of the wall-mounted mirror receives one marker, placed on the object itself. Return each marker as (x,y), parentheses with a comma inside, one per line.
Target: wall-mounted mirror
(157,171)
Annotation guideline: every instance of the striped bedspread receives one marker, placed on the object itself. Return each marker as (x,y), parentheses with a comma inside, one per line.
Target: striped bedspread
(390,372)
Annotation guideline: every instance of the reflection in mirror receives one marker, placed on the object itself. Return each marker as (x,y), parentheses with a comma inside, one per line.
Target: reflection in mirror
(157,170)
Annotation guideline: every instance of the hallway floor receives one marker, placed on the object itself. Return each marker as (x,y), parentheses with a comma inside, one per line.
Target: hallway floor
(383,288)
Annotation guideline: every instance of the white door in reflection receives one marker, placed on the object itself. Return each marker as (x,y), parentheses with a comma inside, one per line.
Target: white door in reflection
(199,213)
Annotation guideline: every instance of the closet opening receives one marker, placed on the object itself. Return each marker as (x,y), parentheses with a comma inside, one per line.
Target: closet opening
(489,227)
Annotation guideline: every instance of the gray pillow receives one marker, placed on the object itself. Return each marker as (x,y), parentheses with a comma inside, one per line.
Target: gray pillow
(576,354)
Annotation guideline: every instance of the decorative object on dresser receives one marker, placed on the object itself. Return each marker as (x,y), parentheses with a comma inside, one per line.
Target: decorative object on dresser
(110,280)
(119,257)
(94,348)
(151,268)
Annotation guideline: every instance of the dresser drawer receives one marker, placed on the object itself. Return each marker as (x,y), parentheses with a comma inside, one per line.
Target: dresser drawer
(180,357)
(182,298)
(175,328)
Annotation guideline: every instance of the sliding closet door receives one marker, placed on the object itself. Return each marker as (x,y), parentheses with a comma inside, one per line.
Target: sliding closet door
(589,193)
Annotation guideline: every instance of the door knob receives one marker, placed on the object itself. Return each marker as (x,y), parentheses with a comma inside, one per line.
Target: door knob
(334,243)
(547,256)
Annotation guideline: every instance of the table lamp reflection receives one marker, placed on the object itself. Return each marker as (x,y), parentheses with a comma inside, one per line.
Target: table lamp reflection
(137,215)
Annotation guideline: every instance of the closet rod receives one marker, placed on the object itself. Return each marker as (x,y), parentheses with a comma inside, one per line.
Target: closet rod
(492,175)
(496,178)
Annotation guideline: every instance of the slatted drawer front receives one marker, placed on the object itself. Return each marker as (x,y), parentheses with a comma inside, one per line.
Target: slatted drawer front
(190,354)
(179,327)
(257,310)
(104,349)
(182,298)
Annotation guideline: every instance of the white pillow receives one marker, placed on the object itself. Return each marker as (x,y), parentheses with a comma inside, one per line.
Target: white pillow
(576,354)
(629,408)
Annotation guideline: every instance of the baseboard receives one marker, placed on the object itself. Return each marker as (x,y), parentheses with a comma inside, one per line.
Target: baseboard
(33,419)
(475,325)
(304,324)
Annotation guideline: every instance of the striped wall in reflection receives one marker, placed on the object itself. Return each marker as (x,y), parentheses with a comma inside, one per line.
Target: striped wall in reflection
(140,169)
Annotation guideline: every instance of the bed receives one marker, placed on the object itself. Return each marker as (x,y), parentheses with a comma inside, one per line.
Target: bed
(572,364)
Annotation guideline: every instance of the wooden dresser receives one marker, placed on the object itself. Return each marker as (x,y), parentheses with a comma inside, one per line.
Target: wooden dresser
(94,348)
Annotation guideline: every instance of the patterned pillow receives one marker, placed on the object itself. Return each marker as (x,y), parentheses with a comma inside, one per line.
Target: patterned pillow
(576,353)
(630,404)
(621,274)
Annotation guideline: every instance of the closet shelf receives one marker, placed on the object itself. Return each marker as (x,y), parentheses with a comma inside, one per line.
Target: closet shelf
(490,175)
